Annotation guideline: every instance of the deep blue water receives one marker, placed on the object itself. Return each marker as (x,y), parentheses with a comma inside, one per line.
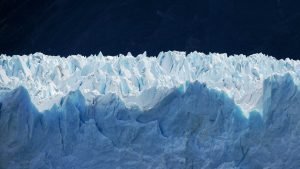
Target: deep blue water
(64,27)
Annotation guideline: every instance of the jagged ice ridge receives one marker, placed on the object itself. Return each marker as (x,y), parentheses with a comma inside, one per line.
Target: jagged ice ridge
(175,110)
(49,78)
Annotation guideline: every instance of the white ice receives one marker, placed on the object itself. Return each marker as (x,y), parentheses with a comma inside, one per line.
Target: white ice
(49,78)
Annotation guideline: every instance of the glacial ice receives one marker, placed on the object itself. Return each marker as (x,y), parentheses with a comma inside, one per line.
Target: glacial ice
(174,111)
(49,78)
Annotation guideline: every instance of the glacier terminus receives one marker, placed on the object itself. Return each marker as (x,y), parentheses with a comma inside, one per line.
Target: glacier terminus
(171,111)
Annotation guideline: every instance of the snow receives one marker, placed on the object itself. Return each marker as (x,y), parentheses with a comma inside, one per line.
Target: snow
(48,78)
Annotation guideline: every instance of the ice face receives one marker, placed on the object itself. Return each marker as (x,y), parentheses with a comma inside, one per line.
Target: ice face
(49,78)
(170,111)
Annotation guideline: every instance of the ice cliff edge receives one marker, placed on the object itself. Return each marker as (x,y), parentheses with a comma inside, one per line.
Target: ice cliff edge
(165,119)
(49,78)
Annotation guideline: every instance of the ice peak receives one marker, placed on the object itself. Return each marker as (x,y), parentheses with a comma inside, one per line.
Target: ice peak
(48,78)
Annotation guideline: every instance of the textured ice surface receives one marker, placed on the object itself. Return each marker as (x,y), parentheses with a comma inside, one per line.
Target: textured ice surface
(130,78)
(171,111)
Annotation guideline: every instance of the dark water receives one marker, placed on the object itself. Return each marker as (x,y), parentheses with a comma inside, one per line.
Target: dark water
(117,26)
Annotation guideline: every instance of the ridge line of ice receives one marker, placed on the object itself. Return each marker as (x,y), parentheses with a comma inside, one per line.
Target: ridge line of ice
(138,79)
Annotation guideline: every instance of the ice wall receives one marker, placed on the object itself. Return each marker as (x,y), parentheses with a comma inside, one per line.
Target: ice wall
(49,78)
(169,119)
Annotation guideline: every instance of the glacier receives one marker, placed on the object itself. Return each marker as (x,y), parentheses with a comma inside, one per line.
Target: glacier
(175,110)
